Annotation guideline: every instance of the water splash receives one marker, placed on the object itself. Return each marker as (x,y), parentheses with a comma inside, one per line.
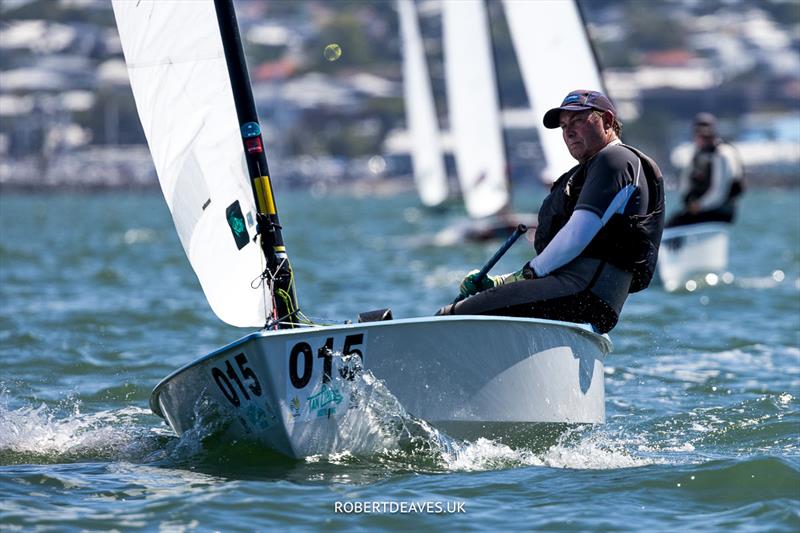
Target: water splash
(376,434)
(376,422)
(58,434)
(581,448)
(384,433)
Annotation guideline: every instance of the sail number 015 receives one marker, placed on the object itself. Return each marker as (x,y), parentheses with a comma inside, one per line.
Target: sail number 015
(302,351)
(239,379)
(243,376)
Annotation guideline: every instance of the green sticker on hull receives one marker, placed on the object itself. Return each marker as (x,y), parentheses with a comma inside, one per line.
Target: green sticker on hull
(235,218)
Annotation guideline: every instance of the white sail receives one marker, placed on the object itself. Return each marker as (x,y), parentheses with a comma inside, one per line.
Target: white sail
(555,57)
(473,105)
(183,94)
(427,155)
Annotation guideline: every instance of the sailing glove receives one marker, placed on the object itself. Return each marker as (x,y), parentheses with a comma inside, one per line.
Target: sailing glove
(468,286)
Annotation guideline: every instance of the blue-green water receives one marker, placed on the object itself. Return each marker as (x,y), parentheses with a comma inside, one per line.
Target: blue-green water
(98,303)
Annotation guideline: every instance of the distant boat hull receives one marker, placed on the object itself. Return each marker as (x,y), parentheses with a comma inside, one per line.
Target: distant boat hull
(692,251)
(485,229)
(292,391)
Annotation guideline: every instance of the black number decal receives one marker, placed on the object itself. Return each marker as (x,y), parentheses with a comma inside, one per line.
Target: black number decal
(248,374)
(225,386)
(235,377)
(350,341)
(326,354)
(302,377)
(297,380)
(347,371)
(224,381)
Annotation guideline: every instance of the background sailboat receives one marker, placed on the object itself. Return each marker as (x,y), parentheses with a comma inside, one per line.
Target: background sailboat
(693,252)
(474,108)
(476,127)
(553,60)
(427,155)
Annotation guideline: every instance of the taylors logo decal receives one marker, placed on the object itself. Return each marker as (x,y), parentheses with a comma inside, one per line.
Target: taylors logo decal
(325,401)
(316,375)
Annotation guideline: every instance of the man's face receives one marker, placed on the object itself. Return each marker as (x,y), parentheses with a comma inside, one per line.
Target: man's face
(583,133)
(703,140)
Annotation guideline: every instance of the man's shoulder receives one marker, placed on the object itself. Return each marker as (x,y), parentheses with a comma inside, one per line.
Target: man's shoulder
(628,151)
(619,159)
(726,149)
(614,156)
(637,153)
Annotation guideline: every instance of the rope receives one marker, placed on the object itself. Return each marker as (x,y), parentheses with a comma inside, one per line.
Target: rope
(266,281)
(266,288)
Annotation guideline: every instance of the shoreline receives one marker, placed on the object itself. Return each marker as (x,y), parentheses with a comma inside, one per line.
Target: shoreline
(360,188)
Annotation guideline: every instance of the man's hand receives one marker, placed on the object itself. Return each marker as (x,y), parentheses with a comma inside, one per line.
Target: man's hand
(468,286)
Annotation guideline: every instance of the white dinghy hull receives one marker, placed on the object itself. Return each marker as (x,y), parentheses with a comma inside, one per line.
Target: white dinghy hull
(484,229)
(454,372)
(692,251)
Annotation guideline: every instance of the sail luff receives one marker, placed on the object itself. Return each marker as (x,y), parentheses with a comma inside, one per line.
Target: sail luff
(269,227)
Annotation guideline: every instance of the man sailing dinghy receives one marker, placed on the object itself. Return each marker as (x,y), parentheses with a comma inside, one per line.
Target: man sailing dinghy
(285,385)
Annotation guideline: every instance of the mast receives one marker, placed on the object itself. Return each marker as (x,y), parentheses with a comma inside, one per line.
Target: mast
(279,270)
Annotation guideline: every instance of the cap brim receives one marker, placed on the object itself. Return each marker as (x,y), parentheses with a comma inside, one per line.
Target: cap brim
(552,117)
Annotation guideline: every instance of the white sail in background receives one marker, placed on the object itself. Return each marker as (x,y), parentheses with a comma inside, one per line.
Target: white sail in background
(473,106)
(555,57)
(427,155)
(183,94)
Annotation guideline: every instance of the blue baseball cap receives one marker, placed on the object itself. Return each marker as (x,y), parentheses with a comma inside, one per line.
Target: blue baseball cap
(578,100)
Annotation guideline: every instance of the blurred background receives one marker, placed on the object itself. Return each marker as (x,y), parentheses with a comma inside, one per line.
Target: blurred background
(328,84)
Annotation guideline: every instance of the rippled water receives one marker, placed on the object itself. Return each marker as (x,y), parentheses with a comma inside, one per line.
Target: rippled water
(98,303)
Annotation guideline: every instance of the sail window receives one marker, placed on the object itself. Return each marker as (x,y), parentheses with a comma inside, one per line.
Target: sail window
(190,197)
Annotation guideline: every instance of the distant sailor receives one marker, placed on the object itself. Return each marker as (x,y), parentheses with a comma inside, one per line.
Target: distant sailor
(712,182)
(599,228)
